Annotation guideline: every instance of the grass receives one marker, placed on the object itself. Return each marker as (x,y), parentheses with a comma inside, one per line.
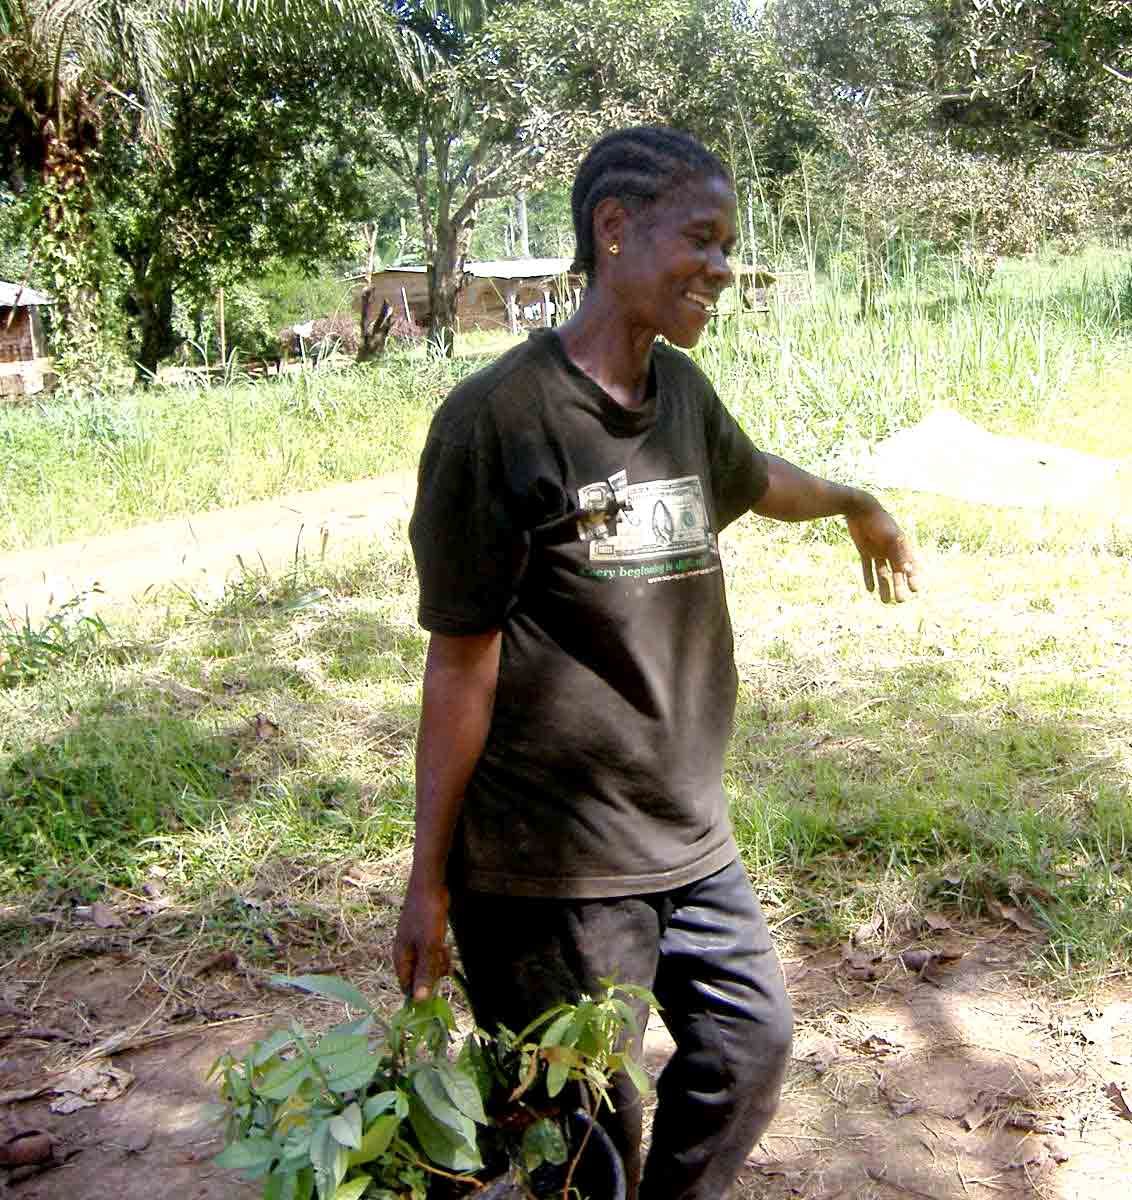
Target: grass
(814,381)
(78,466)
(970,747)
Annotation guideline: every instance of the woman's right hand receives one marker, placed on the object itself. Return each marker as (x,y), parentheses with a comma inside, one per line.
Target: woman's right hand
(420,953)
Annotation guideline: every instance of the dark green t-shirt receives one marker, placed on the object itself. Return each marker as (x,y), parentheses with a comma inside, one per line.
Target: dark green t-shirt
(587,532)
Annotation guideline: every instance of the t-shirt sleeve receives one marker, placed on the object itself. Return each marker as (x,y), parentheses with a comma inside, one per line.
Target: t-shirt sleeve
(467,546)
(739,474)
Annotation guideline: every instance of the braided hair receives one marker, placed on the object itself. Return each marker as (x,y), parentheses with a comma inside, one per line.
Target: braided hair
(637,166)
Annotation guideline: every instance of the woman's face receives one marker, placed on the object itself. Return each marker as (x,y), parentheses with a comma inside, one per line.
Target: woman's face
(672,264)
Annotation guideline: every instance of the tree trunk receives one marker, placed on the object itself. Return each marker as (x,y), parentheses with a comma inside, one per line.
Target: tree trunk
(445,278)
(524,226)
(154,301)
(375,330)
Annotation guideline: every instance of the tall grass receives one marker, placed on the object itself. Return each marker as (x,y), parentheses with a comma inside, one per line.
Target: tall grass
(820,380)
(83,465)
(1042,352)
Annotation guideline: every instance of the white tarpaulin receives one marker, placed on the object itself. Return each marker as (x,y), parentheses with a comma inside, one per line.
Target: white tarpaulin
(947,454)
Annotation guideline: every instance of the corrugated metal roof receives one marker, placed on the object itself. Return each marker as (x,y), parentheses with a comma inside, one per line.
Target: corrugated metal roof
(27,296)
(500,268)
(518,268)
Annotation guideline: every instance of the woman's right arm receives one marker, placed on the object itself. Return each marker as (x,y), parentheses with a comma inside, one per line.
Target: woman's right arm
(456,704)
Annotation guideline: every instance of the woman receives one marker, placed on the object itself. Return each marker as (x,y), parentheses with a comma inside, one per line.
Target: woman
(580,682)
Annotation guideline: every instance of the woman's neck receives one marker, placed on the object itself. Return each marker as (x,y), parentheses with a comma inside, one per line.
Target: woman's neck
(600,342)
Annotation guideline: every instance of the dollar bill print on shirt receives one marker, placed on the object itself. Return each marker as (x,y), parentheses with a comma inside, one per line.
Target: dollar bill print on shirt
(661,524)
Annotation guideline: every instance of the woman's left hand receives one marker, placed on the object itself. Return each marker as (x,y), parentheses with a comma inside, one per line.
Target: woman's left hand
(887,561)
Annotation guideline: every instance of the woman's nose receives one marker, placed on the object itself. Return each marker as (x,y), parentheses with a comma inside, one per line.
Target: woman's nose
(720,267)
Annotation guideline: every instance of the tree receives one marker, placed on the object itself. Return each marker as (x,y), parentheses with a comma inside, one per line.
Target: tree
(1000,75)
(975,125)
(260,162)
(70,70)
(511,100)
(893,189)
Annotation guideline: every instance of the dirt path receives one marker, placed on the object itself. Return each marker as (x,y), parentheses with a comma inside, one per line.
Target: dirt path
(200,552)
(959,1081)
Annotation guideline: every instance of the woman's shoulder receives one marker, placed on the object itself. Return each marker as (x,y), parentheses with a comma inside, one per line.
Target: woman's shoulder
(682,373)
(497,392)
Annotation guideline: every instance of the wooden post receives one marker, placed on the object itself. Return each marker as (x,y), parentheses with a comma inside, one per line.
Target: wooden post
(223,339)
(512,311)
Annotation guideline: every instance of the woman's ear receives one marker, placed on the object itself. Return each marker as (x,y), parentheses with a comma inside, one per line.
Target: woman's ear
(608,227)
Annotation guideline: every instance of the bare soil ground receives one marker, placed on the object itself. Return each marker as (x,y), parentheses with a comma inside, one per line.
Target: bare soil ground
(946,1074)
(203,551)
(929,1062)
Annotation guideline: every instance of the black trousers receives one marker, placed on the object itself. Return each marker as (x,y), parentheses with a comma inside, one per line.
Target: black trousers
(705,951)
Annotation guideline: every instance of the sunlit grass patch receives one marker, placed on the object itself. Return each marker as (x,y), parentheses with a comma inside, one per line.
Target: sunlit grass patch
(969,747)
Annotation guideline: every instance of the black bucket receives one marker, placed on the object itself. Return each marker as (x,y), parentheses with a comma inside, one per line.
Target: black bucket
(600,1173)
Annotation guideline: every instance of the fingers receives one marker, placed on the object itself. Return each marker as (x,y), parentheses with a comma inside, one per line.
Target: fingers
(896,580)
(867,572)
(912,574)
(430,967)
(404,963)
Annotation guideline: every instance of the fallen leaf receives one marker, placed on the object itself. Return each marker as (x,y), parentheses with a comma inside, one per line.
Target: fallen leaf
(99,914)
(980,1111)
(225,960)
(866,932)
(30,1146)
(794,971)
(1017,917)
(1028,1154)
(919,960)
(900,1104)
(936,922)
(859,964)
(1114,1093)
(792,1177)
(877,1043)
(1057,1150)
(88,1085)
(104,916)
(1033,1123)
(265,727)
(1038,1154)
(819,1052)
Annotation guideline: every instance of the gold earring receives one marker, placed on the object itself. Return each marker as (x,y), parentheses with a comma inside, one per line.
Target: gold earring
(614,249)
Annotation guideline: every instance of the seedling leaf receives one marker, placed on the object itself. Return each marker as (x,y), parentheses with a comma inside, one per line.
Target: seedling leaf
(544,1142)
(353,1189)
(346,1127)
(329,986)
(462,1091)
(376,1140)
(248,1154)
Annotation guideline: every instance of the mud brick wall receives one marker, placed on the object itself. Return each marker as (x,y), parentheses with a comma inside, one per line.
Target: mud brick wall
(16,340)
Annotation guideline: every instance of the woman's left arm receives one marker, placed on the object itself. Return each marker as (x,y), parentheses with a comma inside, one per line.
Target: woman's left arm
(887,561)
